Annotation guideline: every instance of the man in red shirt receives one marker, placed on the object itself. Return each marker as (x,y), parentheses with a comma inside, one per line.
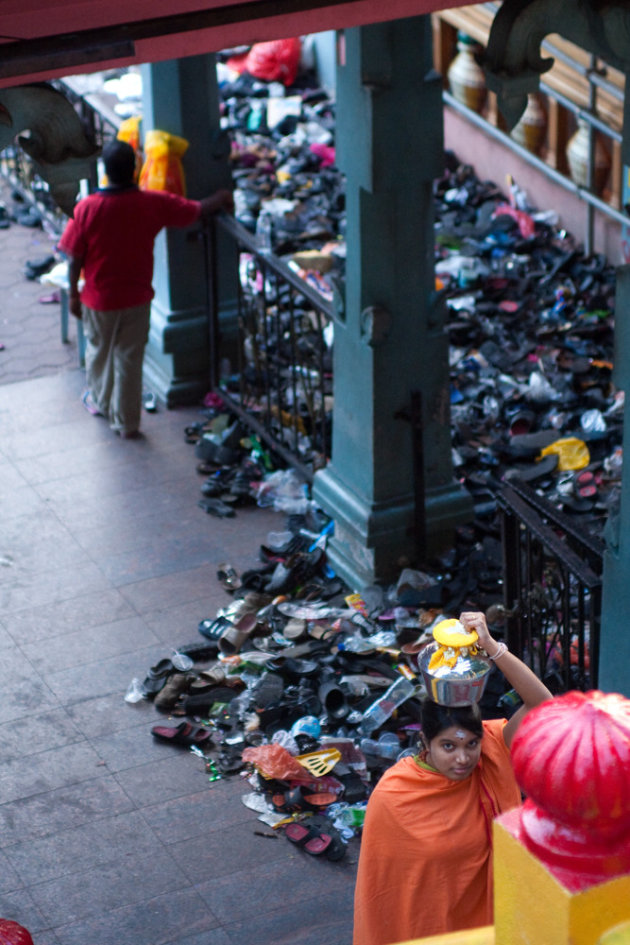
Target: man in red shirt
(110,239)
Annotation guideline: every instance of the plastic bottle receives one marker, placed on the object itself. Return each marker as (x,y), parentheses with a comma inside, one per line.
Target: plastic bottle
(181,661)
(387,746)
(136,691)
(385,705)
(353,815)
(263,232)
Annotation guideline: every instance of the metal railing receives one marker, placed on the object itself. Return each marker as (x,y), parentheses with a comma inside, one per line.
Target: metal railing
(282,387)
(552,589)
(29,188)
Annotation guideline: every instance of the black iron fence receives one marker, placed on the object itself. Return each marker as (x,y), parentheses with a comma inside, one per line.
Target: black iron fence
(282,386)
(552,589)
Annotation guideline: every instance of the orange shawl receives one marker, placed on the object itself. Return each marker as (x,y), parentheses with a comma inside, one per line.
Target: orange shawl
(425,866)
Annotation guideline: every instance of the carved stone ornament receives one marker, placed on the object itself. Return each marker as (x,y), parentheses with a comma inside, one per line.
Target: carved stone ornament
(513,63)
(49,130)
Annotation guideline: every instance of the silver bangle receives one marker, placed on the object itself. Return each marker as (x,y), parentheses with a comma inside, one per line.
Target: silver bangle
(501,649)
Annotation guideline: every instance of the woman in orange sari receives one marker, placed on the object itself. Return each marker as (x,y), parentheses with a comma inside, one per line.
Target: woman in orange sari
(425,866)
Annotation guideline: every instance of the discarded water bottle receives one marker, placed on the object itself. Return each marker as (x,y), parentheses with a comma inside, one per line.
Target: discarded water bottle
(385,705)
(181,661)
(135,692)
(352,816)
(263,232)
(387,746)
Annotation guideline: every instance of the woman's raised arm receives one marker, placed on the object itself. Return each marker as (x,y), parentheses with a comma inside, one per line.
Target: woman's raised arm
(526,683)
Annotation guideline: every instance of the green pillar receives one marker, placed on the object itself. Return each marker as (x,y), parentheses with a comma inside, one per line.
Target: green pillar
(390,346)
(181,96)
(614,652)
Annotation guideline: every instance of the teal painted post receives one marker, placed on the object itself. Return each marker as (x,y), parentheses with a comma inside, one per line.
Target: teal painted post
(390,342)
(181,97)
(614,651)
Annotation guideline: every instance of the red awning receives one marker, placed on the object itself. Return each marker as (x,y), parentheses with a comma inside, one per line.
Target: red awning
(42,40)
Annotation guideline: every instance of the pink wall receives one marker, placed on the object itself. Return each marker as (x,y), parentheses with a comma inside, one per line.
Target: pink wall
(492,161)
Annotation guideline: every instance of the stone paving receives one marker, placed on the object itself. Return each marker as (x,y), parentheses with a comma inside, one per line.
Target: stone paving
(106,564)
(30,330)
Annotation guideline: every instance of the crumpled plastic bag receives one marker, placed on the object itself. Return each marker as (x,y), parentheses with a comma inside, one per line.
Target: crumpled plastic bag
(274,761)
(526,226)
(284,491)
(274,61)
(539,390)
(163,169)
(572,453)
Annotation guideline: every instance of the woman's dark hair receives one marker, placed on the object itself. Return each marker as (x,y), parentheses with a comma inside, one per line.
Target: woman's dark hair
(119,159)
(435,718)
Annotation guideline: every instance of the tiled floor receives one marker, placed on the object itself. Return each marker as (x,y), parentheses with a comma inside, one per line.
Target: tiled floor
(106,563)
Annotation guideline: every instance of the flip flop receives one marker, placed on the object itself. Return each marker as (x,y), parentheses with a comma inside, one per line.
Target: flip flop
(228,578)
(202,703)
(198,652)
(317,836)
(206,680)
(184,735)
(214,627)
(157,676)
(236,633)
(216,507)
(297,799)
(149,403)
(311,838)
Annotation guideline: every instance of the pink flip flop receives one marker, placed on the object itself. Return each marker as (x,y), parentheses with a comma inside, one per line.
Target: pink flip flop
(317,836)
(185,735)
(310,838)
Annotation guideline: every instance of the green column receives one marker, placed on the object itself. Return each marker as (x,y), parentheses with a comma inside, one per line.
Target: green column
(181,96)
(614,652)
(390,345)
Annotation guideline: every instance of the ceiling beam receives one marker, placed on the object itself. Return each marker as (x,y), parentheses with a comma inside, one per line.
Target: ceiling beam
(65,50)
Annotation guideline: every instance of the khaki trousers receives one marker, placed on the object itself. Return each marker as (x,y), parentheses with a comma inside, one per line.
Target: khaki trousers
(114,353)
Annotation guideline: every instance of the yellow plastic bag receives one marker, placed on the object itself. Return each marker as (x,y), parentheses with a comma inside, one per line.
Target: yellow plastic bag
(129,131)
(572,453)
(163,169)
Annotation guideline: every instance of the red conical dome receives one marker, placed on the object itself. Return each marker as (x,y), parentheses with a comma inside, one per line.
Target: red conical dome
(571,756)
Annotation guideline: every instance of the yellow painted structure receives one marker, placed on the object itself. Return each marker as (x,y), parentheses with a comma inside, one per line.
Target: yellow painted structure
(481,936)
(563,895)
(620,935)
(531,907)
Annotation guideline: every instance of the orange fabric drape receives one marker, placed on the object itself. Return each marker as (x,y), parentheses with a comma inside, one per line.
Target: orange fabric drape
(425,866)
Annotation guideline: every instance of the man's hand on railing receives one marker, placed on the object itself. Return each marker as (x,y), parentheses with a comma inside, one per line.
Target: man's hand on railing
(222,199)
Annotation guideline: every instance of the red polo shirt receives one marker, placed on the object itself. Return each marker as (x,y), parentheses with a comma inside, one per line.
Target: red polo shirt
(113,232)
